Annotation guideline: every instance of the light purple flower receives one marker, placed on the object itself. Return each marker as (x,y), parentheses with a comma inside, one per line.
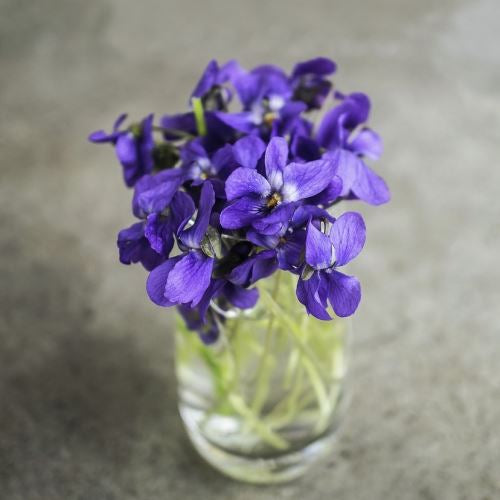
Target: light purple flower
(266,202)
(248,150)
(133,146)
(134,247)
(266,94)
(337,133)
(325,254)
(153,193)
(161,227)
(198,165)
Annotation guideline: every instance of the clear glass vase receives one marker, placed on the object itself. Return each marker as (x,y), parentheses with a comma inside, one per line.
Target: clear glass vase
(262,404)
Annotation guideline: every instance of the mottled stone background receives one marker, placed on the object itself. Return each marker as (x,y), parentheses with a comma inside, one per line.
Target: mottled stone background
(87,393)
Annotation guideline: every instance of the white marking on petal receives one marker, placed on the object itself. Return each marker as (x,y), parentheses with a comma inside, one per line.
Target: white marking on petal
(290,192)
(276,102)
(334,256)
(256,114)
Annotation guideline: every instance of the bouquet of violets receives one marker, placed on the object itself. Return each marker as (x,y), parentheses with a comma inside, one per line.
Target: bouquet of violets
(242,183)
(245,185)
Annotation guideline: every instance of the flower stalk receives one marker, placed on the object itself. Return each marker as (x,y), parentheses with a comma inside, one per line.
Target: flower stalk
(199,114)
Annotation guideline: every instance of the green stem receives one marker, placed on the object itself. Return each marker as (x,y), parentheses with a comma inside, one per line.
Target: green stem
(264,431)
(311,365)
(287,408)
(264,369)
(295,330)
(247,364)
(199,115)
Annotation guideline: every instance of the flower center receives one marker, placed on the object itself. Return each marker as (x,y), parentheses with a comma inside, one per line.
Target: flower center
(269,118)
(273,200)
(204,169)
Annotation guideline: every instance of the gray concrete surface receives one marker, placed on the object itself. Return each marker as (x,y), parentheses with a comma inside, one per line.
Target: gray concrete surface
(87,393)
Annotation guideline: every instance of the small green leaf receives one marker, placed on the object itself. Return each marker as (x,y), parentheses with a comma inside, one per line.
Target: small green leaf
(211,244)
(307,272)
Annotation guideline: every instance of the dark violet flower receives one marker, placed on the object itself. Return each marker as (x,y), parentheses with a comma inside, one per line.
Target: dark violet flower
(235,189)
(151,241)
(260,265)
(337,134)
(309,83)
(134,247)
(267,202)
(266,94)
(210,89)
(134,147)
(161,227)
(184,279)
(324,254)
(239,296)
(263,82)
(153,193)
(289,244)
(199,166)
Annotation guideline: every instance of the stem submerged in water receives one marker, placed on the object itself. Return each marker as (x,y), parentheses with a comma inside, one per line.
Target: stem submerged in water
(274,370)
(266,361)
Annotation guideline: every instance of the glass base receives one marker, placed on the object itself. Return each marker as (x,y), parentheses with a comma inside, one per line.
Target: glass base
(281,468)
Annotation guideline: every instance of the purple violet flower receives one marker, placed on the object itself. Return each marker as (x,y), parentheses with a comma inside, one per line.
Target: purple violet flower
(309,81)
(337,134)
(199,166)
(267,202)
(289,244)
(184,279)
(134,247)
(248,150)
(210,87)
(153,193)
(324,254)
(243,193)
(266,94)
(255,268)
(133,146)
(161,227)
